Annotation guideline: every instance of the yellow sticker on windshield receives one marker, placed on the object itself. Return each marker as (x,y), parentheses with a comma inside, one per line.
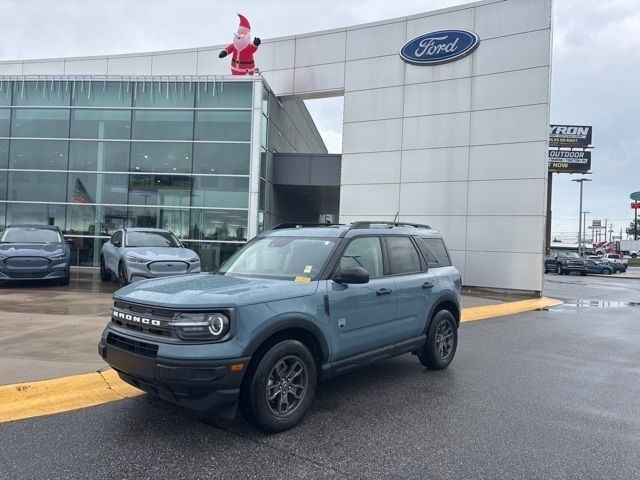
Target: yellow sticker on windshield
(302,279)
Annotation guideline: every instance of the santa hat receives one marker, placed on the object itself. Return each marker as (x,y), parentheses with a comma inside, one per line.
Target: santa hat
(244,24)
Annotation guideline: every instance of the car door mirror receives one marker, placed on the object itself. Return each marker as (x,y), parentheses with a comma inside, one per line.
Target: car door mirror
(117,244)
(353,275)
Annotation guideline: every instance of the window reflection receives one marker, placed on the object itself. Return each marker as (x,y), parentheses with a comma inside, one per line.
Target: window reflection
(97,188)
(161,190)
(94,220)
(229,95)
(222,158)
(85,252)
(163,124)
(38,154)
(40,123)
(86,123)
(230,192)
(37,186)
(213,255)
(175,220)
(36,213)
(218,225)
(5,114)
(104,94)
(100,156)
(223,126)
(161,157)
(42,93)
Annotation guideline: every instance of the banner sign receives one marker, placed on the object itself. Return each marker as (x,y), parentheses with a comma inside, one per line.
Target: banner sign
(635,205)
(597,223)
(570,136)
(569,161)
(635,196)
(439,47)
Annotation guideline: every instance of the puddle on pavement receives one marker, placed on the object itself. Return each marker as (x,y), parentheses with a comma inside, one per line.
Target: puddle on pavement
(597,304)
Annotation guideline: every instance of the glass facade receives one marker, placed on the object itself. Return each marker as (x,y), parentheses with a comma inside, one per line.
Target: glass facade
(91,156)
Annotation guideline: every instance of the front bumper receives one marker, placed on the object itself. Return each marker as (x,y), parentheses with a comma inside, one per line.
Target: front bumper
(142,271)
(206,385)
(18,274)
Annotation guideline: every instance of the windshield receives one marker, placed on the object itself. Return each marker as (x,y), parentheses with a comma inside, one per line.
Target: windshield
(287,258)
(152,239)
(30,235)
(570,255)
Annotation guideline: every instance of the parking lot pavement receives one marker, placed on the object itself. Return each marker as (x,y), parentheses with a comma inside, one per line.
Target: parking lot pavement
(543,394)
(573,288)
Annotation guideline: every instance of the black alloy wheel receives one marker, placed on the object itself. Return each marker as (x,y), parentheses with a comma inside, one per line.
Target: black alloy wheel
(606,271)
(279,386)
(442,341)
(123,279)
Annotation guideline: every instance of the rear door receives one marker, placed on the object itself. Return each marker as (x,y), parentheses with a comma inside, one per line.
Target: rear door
(362,316)
(415,286)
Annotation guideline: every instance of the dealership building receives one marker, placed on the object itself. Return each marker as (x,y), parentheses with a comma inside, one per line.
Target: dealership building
(169,139)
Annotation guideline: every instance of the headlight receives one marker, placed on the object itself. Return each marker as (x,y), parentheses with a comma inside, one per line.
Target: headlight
(136,259)
(202,326)
(60,256)
(194,259)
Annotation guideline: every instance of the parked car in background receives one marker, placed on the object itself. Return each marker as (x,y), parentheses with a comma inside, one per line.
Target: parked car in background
(615,258)
(634,253)
(133,254)
(564,263)
(604,268)
(34,252)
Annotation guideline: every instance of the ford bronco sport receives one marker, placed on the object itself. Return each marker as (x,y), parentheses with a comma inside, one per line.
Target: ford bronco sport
(296,304)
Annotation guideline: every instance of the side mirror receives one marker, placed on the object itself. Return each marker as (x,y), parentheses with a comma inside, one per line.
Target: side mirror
(354,275)
(117,244)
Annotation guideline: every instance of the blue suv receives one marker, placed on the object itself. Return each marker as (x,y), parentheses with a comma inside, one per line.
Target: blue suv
(296,304)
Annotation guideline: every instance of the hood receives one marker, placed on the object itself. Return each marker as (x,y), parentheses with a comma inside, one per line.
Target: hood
(32,249)
(154,254)
(206,290)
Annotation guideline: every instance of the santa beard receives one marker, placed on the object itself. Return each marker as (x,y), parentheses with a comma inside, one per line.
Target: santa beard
(241,42)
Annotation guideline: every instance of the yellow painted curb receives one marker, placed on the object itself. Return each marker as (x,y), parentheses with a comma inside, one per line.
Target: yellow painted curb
(46,397)
(507,308)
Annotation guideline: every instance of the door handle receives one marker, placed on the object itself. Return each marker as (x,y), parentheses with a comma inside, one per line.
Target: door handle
(427,285)
(384,291)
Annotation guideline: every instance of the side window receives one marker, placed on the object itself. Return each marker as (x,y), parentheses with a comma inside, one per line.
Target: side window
(364,252)
(435,252)
(403,256)
(116,237)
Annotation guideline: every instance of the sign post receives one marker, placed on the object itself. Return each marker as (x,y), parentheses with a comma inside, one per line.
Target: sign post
(635,196)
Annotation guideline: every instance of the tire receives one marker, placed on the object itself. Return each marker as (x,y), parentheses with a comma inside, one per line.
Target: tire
(559,270)
(546,271)
(442,342)
(123,276)
(617,272)
(606,271)
(105,276)
(264,378)
(583,274)
(634,255)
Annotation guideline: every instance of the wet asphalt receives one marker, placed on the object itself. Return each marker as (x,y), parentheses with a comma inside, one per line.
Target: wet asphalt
(545,394)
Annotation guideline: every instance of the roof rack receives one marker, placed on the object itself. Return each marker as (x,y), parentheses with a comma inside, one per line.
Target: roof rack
(359,225)
(302,225)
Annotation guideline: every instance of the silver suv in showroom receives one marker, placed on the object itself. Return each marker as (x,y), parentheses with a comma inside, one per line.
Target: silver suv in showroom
(133,254)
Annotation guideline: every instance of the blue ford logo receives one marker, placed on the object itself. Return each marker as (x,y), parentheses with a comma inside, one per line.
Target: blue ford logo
(439,47)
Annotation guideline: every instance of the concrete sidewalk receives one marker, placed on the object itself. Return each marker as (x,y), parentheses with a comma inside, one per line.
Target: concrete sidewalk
(50,332)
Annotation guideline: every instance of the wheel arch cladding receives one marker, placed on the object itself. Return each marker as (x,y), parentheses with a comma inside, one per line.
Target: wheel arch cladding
(291,329)
(447,302)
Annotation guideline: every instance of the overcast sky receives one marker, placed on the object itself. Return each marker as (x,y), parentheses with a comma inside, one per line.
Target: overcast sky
(596,65)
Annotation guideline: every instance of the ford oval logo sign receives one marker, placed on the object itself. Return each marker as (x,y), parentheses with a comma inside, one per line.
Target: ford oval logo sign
(439,47)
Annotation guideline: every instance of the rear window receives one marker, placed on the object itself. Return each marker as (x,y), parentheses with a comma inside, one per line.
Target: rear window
(435,252)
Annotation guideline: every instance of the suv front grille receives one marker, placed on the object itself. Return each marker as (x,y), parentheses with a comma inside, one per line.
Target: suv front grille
(143,319)
(134,346)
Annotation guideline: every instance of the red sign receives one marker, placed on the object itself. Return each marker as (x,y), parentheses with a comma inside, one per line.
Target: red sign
(635,205)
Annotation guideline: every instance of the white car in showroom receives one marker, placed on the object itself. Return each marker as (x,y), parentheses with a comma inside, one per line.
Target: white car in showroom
(133,254)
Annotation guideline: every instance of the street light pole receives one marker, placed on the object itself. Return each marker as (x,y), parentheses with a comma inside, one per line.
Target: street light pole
(584,227)
(580,181)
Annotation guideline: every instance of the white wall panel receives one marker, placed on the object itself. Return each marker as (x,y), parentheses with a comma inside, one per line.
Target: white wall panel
(319,49)
(437,97)
(419,74)
(435,198)
(374,73)
(183,63)
(275,55)
(517,271)
(458,258)
(508,125)
(281,81)
(364,168)
(514,16)
(374,200)
(490,233)
(88,66)
(14,68)
(512,53)
(435,165)
(460,19)
(452,227)
(507,197)
(510,89)
(134,65)
(377,104)
(508,160)
(43,68)
(319,78)
(210,64)
(379,136)
(375,41)
(436,131)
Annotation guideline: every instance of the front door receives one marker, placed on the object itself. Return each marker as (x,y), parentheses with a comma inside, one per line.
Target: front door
(362,316)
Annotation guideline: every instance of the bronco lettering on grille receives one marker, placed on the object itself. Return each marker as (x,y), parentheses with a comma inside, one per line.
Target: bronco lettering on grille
(136,319)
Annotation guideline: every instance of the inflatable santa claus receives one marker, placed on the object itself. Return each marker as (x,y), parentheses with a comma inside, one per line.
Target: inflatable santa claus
(242,49)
